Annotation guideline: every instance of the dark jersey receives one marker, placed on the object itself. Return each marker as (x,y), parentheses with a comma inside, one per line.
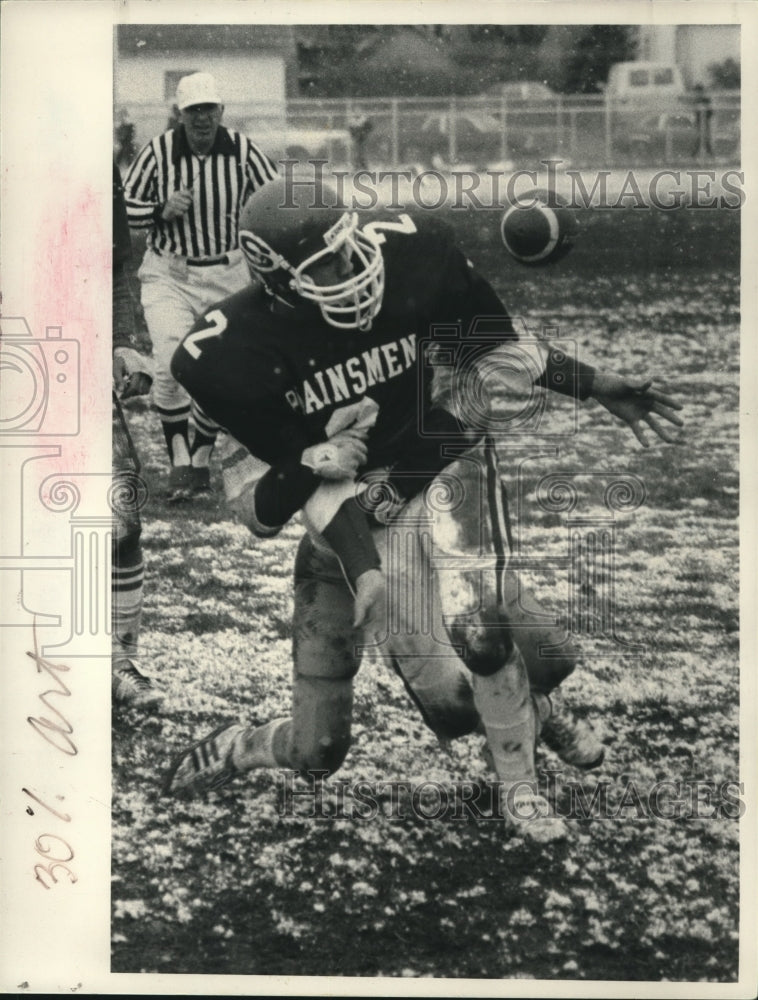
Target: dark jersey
(281,380)
(275,380)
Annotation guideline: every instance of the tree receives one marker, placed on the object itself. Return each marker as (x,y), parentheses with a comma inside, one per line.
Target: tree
(596,48)
(725,75)
(508,34)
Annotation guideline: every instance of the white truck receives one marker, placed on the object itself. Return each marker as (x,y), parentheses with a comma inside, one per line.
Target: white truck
(647,83)
(650,109)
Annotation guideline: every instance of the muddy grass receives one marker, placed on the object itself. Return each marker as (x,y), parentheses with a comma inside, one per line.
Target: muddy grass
(230,884)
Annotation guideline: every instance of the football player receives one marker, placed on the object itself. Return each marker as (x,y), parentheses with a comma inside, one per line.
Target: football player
(319,373)
(132,376)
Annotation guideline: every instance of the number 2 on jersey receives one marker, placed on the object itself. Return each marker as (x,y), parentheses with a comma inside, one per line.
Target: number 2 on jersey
(217,321)
(404,224)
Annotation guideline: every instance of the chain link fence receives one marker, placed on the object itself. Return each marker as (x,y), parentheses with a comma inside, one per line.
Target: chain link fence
(474,133)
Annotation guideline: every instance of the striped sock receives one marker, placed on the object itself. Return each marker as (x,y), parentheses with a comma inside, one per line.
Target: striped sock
(175,423)
(256,747)
(204,438)
(126,588)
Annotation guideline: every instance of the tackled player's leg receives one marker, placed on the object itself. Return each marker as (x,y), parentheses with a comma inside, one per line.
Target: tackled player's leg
(435,573)
(316,737)
(487,609)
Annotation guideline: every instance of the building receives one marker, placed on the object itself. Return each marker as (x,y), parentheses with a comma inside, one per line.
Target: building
(692,47)
(255,67)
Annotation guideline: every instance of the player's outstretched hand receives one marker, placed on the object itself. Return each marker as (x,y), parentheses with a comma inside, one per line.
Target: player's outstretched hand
(338,458)
(132,373)
(371,604)
(637,405)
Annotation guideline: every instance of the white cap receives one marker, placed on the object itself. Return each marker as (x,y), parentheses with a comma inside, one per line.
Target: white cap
(199,88)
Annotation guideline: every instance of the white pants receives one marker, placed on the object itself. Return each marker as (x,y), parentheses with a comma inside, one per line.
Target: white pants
(446,632)
(174,296)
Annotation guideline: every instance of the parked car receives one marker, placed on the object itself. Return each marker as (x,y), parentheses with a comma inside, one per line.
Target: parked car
(651,112)
(477,134)
(656,135)
(530,110)
(531,91)
(297,143)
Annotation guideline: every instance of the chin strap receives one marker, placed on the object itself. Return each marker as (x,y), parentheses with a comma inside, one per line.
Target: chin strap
(278,300)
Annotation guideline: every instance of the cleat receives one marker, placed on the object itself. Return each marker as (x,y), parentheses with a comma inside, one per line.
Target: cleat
(205,766)
(572,739)
(201,480)
(131,689)
(180,484)
(530,817)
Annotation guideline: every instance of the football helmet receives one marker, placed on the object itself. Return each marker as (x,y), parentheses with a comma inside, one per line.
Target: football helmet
(285,238)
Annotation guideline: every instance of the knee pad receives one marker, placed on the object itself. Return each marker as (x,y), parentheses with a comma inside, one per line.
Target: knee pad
(548,652)
(319,733)
(325,643)
(486,645)
(326,755)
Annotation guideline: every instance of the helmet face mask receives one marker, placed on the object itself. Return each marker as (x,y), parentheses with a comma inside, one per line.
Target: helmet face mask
(349,302)
(354,301)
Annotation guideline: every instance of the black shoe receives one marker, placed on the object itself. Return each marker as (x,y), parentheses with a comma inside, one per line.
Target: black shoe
(131,689)
(572,739)
(180,484)
(201,480)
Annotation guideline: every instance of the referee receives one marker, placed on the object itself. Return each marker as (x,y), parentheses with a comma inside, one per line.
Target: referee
(186,188)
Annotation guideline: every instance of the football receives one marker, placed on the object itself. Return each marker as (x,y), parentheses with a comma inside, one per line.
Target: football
(540,229)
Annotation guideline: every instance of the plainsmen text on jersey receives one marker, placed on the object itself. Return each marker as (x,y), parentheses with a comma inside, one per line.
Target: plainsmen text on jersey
(275,377)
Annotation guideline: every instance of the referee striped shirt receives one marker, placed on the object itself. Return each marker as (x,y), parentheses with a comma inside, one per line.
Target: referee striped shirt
(220,182)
